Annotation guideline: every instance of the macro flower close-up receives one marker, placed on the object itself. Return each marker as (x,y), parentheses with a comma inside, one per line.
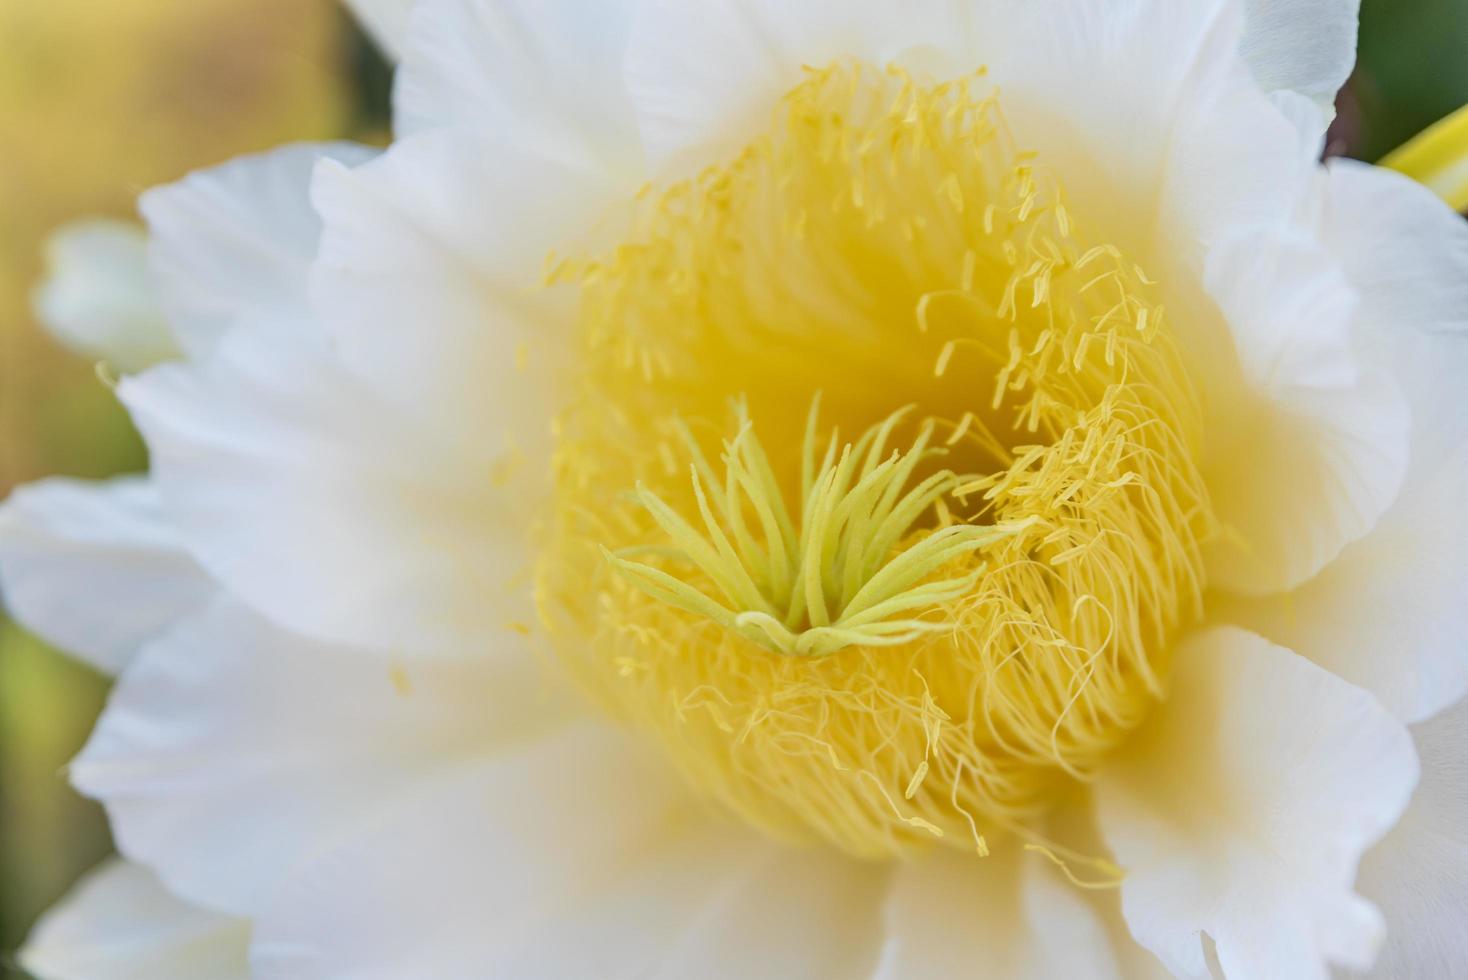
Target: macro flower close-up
(813,489)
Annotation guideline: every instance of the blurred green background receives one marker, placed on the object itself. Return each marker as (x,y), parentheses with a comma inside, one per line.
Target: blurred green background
(100,99)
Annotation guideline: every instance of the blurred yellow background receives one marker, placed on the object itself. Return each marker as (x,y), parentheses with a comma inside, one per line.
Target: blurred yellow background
(100,99)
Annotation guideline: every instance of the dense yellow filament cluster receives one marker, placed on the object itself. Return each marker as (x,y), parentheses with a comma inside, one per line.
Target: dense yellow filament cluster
(835,639)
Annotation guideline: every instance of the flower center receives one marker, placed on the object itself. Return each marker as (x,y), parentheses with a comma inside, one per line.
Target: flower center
(834,583)
(927,629)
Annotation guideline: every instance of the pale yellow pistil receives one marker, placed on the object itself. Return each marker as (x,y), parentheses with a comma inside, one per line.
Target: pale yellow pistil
(851,573)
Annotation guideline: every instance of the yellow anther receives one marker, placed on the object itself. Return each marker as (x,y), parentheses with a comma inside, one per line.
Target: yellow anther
(837,640)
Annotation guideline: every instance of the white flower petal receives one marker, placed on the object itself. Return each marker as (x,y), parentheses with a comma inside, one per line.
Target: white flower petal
(949,912)
(387,21)
(707,77)
(1389,614)
(546,72)
(297,486)
(1162,140)
(1309,448)
(231,749)
(1244,807)
(120,924)
(1418,874)
(474,863)
(95,569)
(1306,46)
(705,899)
(434,295)
(1407,255)
(97,298)
(237,240)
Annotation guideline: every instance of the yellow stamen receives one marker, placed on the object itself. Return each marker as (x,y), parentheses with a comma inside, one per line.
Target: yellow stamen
(837,640)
